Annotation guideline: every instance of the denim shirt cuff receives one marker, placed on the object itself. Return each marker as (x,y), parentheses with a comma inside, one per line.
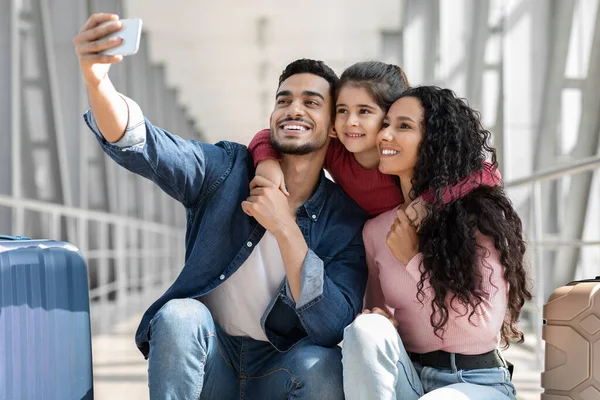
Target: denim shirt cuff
(311,280)
(135,132)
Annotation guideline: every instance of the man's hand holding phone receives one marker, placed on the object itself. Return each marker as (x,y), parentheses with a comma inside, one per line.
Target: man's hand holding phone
(102,41)
(91,41)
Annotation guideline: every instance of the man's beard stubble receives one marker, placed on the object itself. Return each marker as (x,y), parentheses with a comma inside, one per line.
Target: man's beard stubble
(296,150)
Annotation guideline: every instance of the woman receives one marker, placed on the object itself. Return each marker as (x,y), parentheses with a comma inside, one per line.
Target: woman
(453,280)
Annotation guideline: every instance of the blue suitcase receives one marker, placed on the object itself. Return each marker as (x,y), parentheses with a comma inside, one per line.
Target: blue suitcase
(45,338)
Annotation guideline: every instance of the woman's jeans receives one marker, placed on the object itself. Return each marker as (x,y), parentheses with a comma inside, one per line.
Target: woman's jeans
(376,366)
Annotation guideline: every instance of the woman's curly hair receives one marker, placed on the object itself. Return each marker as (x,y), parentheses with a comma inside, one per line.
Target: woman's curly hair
(454,146)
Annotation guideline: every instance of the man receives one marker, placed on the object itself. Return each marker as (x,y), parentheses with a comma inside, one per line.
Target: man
(269,281)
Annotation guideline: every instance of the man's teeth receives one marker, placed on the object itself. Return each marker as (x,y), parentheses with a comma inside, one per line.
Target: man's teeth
(389,152)
(295,127)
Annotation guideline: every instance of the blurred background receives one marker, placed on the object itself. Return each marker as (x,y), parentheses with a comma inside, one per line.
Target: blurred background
(208,71)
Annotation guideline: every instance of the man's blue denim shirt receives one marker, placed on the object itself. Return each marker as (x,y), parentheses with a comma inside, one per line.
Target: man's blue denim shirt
(211,181)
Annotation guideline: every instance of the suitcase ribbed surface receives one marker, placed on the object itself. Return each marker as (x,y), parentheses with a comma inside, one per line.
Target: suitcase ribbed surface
(45,340)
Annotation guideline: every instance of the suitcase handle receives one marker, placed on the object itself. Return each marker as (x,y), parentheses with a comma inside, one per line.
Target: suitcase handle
(596,279)
(6,237)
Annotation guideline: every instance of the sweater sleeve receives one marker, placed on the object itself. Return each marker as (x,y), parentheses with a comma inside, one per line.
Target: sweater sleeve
(261,149)
(488,175)
(335,153)
(374,294)
(489,314)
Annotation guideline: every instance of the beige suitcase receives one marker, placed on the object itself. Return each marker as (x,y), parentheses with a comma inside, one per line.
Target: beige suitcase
(572,334)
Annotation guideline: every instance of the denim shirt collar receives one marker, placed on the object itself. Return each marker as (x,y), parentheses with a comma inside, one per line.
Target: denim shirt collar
(315,204)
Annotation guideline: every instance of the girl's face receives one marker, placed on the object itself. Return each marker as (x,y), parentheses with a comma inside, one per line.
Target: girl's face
(358,119)
(400,137)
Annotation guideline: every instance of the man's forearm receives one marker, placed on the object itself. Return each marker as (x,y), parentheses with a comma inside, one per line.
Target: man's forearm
(109,109)
(293,249)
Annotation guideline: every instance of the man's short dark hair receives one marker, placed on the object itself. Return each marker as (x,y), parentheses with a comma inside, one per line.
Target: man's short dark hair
(315,67)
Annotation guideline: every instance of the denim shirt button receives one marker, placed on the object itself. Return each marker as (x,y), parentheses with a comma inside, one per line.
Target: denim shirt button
(314,217)
(249,244)
(222,277)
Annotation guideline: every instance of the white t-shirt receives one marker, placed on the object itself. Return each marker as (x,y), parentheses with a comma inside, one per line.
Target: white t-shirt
(238,304)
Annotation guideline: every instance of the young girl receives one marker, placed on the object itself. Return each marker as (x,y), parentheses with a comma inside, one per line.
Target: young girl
(364,94)
(455,282)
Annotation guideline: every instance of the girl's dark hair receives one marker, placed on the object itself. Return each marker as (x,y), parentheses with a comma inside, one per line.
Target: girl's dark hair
(384,82)
(454,146)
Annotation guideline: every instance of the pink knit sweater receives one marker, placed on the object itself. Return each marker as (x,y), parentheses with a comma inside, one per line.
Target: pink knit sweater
(393,285)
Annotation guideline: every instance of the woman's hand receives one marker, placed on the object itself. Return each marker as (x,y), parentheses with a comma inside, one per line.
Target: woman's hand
(377,310)
(271,169)
(402,239)
(417,211)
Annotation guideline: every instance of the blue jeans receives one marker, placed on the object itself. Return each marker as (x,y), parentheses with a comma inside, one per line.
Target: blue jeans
(192,358)
(376,366)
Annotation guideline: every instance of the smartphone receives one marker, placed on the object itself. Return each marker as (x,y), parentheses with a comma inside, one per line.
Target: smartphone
(130,32)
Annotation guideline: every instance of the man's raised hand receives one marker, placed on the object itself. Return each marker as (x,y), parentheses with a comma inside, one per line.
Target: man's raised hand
(89,43)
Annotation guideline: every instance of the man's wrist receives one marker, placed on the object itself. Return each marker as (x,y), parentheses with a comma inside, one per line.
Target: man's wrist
(286,231)
(100,86)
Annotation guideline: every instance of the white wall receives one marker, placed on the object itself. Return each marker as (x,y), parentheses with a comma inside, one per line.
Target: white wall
(213,55)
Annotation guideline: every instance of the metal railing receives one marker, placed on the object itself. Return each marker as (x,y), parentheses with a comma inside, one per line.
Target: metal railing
(538,242)
(130,261)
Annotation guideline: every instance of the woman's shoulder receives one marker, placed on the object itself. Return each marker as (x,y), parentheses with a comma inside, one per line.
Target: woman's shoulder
(380,224)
